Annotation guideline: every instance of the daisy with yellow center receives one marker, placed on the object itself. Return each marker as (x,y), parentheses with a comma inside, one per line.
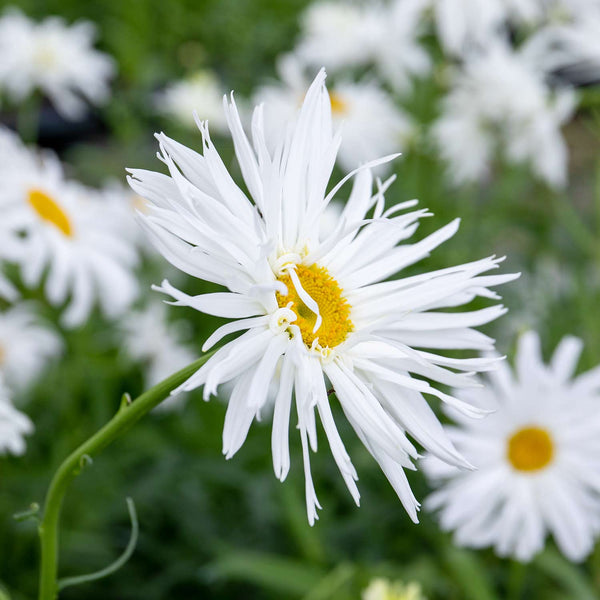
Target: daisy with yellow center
(536,457)
(313,310)
(49,210)
(330,324)
(70,237)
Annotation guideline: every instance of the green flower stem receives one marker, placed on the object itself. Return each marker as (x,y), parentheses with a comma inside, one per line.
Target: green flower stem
(128,414)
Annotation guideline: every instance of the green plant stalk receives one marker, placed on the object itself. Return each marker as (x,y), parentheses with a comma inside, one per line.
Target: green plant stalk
(128,414)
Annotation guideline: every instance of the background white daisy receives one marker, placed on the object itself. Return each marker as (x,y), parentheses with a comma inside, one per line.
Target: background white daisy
(537,458)
(14,425)
(55,58)
(199,93)
(67,229)
(371,123)
(499,103)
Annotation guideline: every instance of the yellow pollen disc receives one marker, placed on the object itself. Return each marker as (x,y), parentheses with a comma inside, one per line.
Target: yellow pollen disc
(333,307)
(530,449)
(338,105)
(49,210)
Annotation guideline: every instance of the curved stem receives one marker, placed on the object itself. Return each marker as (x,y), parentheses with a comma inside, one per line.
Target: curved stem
(117,564)
(128,414)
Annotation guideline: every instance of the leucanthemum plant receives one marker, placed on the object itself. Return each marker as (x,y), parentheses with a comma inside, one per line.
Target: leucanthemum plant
(501,104)
(317,314)
(537,458)
(381,35)
(70,238)
(55,58)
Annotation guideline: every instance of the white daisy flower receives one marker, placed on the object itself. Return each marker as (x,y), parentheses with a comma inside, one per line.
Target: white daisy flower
(55,58)
(337,34)
(149,338)
(340,35)
(537,458)
(500,101)
(318,310)
(572,47)
(462,25)
(372,124)
(201,93)
(67,228)
(14,425)
(26,345)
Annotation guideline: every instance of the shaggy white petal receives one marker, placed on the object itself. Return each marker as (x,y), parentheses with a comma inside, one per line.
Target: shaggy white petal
(310,302)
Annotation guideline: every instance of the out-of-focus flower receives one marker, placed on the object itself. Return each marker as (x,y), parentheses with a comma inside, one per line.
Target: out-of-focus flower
(384,589)
(7,289)
(150,339)
(338,34)
(465,25)
(26,346)
(537,458)
(55,58)
(200,93)
(67,228)
(316,309)
(572,48)
(500,102)
(371,124)
(341,35)
(556,11)
(14,425)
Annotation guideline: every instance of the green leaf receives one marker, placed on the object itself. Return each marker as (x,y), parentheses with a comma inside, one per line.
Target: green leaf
(282,575)
(572,579)
(469,573)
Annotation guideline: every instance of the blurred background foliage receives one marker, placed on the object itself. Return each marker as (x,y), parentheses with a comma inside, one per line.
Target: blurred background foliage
(217,529)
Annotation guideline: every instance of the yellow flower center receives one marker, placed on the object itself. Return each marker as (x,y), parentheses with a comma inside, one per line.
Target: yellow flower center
(49,210)
(333,307)
(530,449)
(338,105)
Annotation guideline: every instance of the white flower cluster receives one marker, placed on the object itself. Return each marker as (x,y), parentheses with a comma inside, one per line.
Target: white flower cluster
(503,101)
(70,240)
(54,58)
